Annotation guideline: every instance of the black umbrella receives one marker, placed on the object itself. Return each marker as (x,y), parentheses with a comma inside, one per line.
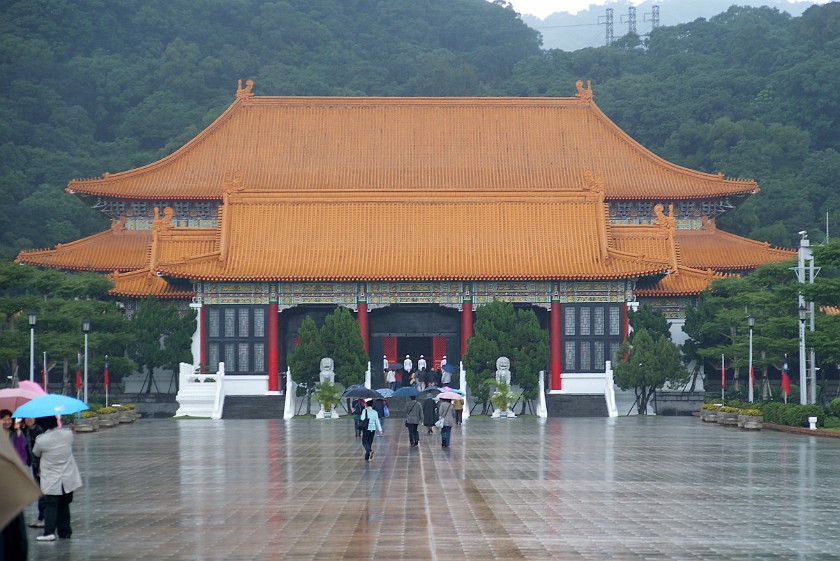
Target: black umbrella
(395,366)
(429,392)
(449,368)
(361,393)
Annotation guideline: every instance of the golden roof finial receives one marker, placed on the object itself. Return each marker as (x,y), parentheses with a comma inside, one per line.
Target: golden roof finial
(246,91)
(584,94)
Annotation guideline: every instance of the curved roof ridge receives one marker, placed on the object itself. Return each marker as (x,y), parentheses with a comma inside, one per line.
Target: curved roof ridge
(650,155)
(718,232)
(183,151)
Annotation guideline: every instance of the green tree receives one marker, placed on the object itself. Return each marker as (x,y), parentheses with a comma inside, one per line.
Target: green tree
(161,337)
(493,337)
(342,340)
(530,354)
(305,360)
(650,365)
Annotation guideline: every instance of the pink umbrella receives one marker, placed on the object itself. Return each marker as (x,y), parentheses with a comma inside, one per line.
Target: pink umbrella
(449,395)
(12,398)
(31,386)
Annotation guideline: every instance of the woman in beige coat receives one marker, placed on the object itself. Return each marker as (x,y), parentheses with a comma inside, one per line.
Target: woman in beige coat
(59,477)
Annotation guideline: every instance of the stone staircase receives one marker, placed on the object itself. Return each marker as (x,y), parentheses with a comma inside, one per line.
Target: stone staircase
(576,405)
(253,407)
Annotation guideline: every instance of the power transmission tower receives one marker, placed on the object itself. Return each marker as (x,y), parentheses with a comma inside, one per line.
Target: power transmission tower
(654,17)
(631,20)
(608,20)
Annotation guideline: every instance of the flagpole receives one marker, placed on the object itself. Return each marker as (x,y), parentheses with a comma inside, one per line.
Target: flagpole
(106,380)
(723,379)
(46,374)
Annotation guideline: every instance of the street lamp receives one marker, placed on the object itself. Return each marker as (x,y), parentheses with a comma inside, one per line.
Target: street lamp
(803,384)
(33,317)
(86,329)
(751,323)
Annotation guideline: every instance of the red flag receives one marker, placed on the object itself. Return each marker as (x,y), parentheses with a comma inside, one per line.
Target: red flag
(785,378)
(722,372)
(78,378)
(106,372)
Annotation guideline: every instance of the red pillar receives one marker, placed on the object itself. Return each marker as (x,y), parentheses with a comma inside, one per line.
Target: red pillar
(202,338)
(273,348)
(554,336)
(466,323)
(363,324)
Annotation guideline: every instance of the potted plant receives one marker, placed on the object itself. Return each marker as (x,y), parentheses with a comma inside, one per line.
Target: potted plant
(728,415)
(750,419)
(709,412)
(328,395)
(86,421)
(126,413)
(108,417)
(501,398)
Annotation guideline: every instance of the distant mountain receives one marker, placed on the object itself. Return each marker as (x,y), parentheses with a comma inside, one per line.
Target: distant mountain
(569,32)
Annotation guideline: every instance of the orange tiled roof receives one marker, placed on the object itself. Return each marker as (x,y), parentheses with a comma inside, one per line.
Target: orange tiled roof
(682,282)
(293,144)
(275,238)
(711,248)
(115,249)
(142,283)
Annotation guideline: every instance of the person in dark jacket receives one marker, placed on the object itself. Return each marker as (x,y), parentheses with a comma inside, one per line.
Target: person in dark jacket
(33,431)
(413,417)
(430,415)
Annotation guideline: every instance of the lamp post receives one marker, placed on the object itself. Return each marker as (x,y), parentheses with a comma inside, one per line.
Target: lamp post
(803,384)
(751,323)
(86,329)
(33,317)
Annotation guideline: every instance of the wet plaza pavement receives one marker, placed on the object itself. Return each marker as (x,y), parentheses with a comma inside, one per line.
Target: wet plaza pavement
(571,489)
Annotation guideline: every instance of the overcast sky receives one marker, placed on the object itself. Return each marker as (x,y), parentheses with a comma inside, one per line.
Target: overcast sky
(543,8)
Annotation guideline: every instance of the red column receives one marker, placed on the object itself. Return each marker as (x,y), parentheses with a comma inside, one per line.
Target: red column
(555,336)
(202,338)
(273,348)
(466,323)
(363,324)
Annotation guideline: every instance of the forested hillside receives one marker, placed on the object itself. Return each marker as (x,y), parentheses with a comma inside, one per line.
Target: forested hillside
(92,86)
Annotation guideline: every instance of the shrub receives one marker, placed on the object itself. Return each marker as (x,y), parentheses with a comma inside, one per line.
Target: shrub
(88,414)
(834,407)
(710,406)
(751,412)
(797,415)
(107,410)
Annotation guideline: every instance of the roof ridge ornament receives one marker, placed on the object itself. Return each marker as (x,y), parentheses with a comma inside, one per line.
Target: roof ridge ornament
(664,220)
(709,223)
(584,94)
(246,92)
(118,226)
(163,222)
(232,182)
(594,181)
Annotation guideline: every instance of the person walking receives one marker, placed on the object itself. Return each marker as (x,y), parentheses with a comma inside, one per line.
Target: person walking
(421,364)
(370,425)
(357,415)
(408,364)
(33,430)
(413,417)
(391,379)
(459,411)
(430,414)
(446,412)
(60,477)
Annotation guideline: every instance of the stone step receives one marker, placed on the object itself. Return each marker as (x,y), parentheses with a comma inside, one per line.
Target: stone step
(576,405)
(253,407)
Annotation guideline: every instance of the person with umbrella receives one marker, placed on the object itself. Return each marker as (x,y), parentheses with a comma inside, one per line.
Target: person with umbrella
(60,477)
(413,417)
(370,424)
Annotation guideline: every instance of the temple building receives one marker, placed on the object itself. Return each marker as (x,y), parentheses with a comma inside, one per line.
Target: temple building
(411,212)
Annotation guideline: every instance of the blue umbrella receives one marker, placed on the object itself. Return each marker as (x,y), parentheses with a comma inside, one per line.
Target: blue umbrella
(395,366)
(50,405)
(449,368)
(385,392)
(407,391)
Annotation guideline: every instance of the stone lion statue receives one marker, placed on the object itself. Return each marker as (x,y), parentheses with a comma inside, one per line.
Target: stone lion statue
(327,370)
(503,370)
